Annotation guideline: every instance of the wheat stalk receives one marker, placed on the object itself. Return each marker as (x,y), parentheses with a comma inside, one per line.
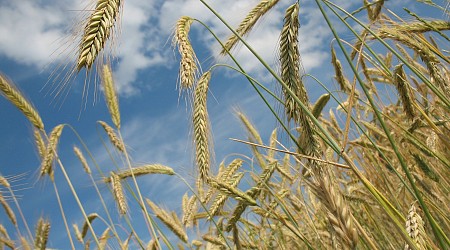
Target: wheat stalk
(201,127)
(110,94)
(97,31)
(10,92)
(188,63)
(248,23)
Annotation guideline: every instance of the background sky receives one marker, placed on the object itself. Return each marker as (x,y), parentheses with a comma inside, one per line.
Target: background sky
(38,36)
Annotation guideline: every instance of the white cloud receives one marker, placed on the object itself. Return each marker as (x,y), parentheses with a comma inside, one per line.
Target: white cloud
(34,32)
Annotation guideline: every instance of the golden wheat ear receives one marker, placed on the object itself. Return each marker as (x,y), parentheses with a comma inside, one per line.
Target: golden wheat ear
(10,92)
(97,31)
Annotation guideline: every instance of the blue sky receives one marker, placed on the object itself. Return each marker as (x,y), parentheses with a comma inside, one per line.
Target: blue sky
(35,38)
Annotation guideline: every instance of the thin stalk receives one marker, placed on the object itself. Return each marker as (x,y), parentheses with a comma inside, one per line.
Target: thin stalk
(141,200)
(63,215)
(80,205)
(20,211)
(436,229)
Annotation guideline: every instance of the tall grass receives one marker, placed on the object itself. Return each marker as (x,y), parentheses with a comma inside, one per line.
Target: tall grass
(357,170)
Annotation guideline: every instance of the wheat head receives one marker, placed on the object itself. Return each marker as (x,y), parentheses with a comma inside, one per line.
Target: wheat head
(97,31)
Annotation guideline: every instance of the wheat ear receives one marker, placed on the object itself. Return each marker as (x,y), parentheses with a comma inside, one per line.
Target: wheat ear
(113,136)
(104,239)
(42,231)
(83,161)
(13,95)
(201,127)
(8,210)
(404,91)
(118,193)
(188,63)
(248,23)
(110,94)
(143,170)
(90,219)
(169,221)
(290,74)
(97,31)
(50,153)
(415,228)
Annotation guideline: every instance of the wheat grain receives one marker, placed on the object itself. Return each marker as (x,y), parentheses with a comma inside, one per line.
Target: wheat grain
(112,136)
(110,94)
(97,31)
(118,193)
(188,64)
(248,23)
(201,127)
(10,92)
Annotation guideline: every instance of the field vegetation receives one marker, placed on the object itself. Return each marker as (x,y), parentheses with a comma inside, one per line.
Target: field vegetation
(355,169)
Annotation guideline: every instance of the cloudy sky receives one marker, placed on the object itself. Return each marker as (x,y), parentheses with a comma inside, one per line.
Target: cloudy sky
(39,38)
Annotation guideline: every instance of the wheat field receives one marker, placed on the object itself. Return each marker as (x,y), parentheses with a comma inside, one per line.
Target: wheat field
(365,166)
